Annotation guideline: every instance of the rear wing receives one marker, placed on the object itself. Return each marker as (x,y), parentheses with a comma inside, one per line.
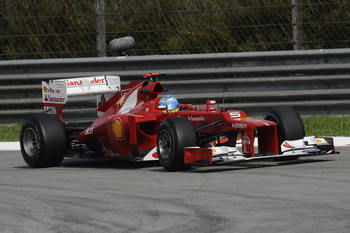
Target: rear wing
(55,93)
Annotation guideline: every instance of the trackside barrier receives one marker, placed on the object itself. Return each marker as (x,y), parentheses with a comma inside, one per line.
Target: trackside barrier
(312,81)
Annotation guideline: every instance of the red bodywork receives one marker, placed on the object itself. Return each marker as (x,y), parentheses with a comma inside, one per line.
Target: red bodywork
(129,125)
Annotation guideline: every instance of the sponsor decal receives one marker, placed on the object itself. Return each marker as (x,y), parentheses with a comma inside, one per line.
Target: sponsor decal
(196,118)
(239,125)
(94,80)
(49,90)
(246,140)
(155,155)
(50,110)
(118,129)
(122,99)
(45,89)
(70,83)
(53,93)
(287,145)
(89,131)
(235,114)
(128,102)
(54,99)
(97,81)
(246,144)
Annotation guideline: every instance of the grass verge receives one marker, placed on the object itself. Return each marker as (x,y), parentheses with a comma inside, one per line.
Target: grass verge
(314,126)
(327,125)
(10,133)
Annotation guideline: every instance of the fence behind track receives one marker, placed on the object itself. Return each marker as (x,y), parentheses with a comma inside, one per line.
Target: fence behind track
(312,81)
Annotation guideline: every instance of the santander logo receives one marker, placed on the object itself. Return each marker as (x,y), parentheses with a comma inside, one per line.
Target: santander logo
(70,83)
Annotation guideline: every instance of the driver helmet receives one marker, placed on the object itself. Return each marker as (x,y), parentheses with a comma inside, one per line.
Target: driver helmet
(171,102)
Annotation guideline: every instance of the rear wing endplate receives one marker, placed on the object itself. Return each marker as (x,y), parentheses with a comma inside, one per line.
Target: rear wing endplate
(55,93)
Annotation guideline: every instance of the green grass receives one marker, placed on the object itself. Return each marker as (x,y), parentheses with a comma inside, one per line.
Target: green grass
(10,133)
(314,126)
(327,125)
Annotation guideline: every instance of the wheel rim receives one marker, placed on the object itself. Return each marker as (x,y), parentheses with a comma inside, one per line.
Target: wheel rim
(31,144)
(165,144)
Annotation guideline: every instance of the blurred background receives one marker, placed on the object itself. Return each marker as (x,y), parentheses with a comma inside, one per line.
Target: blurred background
(35,29)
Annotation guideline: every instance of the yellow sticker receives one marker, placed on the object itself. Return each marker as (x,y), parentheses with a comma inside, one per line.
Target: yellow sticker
(45,89)
(118,129)
(122,99)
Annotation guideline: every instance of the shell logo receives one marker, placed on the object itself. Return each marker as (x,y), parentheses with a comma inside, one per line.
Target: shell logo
(118,129)
(45,89)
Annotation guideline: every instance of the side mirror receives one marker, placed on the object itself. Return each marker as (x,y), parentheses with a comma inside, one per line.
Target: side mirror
(209,103)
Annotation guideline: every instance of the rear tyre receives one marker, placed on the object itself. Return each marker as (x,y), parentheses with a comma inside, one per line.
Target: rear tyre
(289,124)
(174,135)
(43,141)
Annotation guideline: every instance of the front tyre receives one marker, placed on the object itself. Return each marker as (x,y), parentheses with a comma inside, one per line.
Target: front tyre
(289,124)
(174,135)
(43,141)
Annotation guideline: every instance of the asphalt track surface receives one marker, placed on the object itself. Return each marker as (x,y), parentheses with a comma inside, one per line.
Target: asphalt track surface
(307,195)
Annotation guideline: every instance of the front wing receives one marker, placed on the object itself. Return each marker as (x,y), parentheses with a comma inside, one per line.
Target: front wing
(308,146)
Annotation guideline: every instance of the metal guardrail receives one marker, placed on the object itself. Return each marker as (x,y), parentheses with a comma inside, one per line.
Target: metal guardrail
(313,82)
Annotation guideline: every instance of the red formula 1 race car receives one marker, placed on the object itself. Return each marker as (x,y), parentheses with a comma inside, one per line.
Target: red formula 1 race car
(140,123)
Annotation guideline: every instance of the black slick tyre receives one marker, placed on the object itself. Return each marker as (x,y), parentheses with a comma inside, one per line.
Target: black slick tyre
(43,141)
(289,124)
(173,136)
